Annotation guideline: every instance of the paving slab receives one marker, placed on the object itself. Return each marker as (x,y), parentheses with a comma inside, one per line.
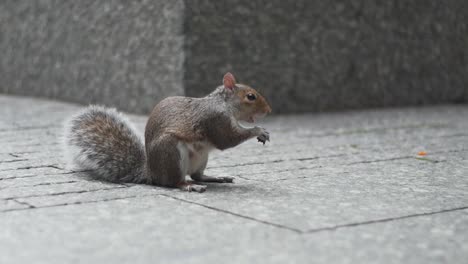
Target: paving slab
(347,187)
(161,229)
(134,230)
(433,238)
(324,198)
(92,196)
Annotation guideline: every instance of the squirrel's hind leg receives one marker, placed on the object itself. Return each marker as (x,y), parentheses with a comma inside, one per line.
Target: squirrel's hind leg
(166,162)
(185,167)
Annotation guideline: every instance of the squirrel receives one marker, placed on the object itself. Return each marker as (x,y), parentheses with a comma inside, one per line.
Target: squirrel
(179,134)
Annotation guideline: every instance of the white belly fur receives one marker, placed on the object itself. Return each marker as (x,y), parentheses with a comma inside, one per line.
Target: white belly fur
(193,156)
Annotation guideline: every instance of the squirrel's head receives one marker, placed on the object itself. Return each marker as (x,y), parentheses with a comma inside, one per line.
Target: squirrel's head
(247,102)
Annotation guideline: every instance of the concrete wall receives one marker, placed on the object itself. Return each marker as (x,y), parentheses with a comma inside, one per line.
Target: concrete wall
(315,55)
(123,53)
(304,55)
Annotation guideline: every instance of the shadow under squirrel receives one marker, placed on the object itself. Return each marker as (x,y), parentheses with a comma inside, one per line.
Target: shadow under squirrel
(179,134)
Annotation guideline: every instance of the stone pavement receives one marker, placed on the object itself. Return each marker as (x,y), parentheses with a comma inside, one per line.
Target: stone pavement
(329,188)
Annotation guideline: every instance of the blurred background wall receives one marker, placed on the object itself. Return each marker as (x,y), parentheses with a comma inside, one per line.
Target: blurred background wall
(304,55)
(127,54)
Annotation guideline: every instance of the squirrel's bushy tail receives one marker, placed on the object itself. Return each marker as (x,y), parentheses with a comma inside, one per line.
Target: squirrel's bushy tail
(100,140)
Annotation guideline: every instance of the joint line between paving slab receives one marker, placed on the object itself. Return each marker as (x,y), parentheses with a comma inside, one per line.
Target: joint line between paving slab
(73,203)
(335,146)
(384,220)
(411,157)
(41,184)
(279,160)
(379,160)
(63,193)
(236,214)
(347,164)
(376,129)
(12,161)
(424,159)
(29,206)
(45,174)
(454,135)
(24,128)
(77,202)
(54,166)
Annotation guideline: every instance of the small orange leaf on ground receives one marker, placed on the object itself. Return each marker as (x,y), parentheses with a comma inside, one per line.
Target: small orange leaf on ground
(422,153)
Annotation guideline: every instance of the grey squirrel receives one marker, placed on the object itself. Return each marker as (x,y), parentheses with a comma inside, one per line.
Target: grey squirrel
(179,134)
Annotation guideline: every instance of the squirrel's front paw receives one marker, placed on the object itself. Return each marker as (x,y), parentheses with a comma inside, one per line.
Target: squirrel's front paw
(263,135)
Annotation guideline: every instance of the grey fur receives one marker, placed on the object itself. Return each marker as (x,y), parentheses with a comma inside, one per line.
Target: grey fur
(103,142)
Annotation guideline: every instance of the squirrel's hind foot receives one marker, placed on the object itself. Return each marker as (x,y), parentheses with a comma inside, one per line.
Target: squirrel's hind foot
(190,187)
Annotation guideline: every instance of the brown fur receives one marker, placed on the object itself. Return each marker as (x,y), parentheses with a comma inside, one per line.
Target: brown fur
(260,105)
(192,120)
(179,134)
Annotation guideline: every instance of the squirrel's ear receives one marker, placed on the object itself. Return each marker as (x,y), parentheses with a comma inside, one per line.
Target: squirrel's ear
(229,81)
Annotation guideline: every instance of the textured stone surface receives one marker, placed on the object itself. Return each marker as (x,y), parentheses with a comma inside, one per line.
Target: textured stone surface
(329,188)
(7,205)
(118,53)
(125,231)
(306,55)
(377,190)
(321,55)
(141,230)
(136,230)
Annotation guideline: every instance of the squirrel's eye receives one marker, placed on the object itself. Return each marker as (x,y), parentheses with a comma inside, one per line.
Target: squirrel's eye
(251,97)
